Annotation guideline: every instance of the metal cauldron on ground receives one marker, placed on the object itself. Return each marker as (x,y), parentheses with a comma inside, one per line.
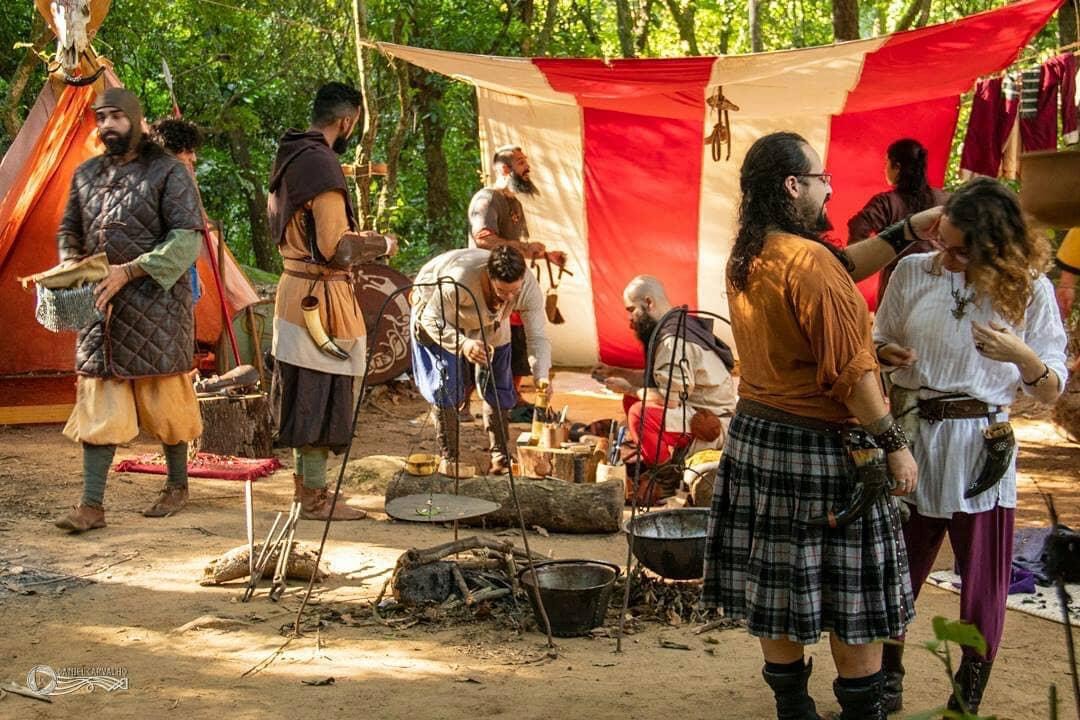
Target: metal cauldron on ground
(575,593)
(671,543)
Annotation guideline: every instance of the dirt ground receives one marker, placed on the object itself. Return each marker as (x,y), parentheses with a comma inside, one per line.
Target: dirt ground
(143,585)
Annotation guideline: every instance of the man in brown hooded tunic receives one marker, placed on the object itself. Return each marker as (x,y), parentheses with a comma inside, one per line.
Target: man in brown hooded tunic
(312,222)
(138,205)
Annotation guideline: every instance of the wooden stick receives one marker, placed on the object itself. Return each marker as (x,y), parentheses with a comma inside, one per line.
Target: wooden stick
(25,692)
(415,556)
(466,594)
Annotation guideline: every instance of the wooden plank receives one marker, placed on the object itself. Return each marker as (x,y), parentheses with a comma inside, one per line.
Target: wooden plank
(35,414)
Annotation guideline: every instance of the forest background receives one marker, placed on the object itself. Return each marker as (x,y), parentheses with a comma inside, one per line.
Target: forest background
(245,70)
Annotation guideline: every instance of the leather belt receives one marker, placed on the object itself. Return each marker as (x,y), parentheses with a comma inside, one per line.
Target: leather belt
(762,411)
(937,410)
(336,277)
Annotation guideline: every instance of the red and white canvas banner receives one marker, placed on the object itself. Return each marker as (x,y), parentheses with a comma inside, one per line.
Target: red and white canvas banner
(628,186)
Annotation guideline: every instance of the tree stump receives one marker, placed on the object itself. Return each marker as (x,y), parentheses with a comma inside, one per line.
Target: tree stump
(538,462)
(236,425)
(552,504)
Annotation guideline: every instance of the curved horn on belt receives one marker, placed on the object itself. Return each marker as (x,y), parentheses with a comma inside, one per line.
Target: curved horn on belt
(1000,444)
(310,306)
(871,482)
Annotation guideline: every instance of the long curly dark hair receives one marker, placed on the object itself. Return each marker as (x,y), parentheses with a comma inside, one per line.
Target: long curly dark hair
(1006,257)
(766,205)
(909,156)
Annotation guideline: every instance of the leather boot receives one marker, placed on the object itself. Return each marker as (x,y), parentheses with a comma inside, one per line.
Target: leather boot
(892,666)
(447,432)
(500,455)
(170,500)
(971,677)
(82,518)
(862,703)
(793,702)
(298,486)
(315,505)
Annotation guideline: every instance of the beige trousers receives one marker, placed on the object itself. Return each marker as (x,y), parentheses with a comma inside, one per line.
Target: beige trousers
(111,412)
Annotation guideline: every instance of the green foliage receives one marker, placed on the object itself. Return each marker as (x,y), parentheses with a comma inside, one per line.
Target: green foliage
(246,70)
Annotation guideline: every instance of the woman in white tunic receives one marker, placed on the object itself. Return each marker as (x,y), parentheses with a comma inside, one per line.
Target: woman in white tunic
(963,328)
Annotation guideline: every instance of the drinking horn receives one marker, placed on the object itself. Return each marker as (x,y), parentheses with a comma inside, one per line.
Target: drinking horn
(871,482)
(999,444)
(310,306)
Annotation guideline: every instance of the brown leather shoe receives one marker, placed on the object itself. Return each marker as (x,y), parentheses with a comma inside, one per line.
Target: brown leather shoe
(82,518)
(315,505)
(170,500)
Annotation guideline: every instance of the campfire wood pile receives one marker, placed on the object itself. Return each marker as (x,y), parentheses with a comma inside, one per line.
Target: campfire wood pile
(431,585)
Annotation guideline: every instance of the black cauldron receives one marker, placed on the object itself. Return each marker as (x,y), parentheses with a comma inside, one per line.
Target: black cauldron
(671,543)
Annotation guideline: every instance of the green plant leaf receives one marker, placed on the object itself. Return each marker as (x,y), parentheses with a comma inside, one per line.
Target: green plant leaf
(959,632)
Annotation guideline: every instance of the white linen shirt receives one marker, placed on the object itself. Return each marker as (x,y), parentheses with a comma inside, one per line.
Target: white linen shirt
(917,312)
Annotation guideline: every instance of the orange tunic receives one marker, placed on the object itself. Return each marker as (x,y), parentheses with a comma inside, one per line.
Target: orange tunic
(802,329)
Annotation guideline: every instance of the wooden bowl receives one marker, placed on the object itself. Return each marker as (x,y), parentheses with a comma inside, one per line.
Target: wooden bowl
(421,464)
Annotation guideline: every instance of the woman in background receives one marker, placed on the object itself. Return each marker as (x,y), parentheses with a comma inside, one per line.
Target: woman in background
(905,169)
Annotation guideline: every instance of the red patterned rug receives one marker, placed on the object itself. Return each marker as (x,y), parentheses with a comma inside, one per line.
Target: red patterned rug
(205,465)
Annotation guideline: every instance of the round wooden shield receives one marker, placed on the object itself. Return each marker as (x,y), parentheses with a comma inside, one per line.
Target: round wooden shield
(390,348)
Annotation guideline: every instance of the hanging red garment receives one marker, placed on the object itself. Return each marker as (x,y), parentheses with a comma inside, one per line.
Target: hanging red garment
(1040,131)
(992,118)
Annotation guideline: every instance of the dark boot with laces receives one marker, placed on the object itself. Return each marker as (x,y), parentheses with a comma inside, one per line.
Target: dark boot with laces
(971,677)
(793,702)
(861,703)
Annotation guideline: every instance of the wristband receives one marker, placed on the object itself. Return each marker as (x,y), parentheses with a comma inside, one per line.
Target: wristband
(894,235)
(892,439)
(1041,380)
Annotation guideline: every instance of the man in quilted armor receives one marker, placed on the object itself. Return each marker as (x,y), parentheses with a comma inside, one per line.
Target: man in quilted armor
(137,204)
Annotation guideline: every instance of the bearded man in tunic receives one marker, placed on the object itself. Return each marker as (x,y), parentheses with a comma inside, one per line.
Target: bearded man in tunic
(318,357)
(139,206)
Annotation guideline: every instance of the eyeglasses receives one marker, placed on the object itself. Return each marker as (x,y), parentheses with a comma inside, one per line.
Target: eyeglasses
(825,177)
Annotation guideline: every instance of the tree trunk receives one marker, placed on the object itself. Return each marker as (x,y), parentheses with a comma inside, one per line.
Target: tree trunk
(1067,33)
(552,504)
(845,15)
(550,15)
(437,195)
(755,26)
(400,71)
(918,10)
(682,11)
(262,245)
(624,22)
(364,150)
(9,111)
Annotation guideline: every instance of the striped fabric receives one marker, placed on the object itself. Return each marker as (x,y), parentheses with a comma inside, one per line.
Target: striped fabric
(628,186)
(787,579)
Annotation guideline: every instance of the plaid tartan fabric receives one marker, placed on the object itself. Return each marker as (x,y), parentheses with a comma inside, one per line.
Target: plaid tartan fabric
(787,579)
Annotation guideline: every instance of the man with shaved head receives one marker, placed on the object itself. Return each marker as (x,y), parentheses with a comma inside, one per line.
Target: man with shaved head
(691,375)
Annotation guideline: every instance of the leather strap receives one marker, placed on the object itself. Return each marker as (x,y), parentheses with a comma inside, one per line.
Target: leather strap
(935,410)
(767,412)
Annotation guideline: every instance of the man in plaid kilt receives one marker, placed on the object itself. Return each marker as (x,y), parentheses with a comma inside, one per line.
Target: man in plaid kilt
(809,374)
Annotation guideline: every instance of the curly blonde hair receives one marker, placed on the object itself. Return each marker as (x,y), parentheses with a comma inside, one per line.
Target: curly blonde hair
(1006,257)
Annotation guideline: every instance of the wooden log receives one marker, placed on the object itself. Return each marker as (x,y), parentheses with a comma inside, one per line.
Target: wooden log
(538,462)
(236,425)
(552,504)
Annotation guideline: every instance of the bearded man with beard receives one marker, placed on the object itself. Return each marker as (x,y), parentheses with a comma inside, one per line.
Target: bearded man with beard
(497,217)
(808,383)
(695,363)
(138,205)
(312,222)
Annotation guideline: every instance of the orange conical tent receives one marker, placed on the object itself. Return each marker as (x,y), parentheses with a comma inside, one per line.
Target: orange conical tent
(37,366)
